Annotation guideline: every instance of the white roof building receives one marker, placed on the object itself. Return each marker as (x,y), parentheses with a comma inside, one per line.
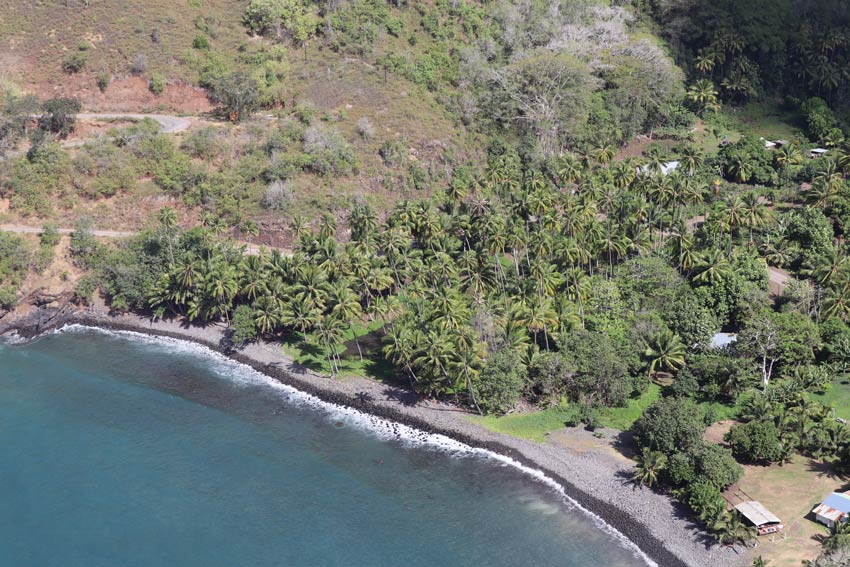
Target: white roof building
(836,508)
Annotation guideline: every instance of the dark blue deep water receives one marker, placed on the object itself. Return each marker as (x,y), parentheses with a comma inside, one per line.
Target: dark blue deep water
(120,452)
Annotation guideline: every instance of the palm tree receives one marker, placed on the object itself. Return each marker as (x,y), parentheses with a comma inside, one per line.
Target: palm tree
(266,314)
(712,267)
(755,212)
(740,168)
(649,465)
(329,334)
(836,303)
(301,315)
(703,95)
(759,562)
(838,538)
(665,351)
(786,157)
(346,308)
(730,530)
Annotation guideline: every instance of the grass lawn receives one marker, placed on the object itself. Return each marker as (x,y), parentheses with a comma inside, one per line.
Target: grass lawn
(762,119)
(623,418)
(837,397)
(373,365)
(532,425)
(790,491)
(535,425)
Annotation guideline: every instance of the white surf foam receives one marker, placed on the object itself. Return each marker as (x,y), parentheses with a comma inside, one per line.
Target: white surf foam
(382,428)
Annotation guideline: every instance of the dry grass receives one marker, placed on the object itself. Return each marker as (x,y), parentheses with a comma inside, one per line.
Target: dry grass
(791,491)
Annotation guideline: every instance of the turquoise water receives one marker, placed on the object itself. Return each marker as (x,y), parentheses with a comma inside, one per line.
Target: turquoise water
(119,452)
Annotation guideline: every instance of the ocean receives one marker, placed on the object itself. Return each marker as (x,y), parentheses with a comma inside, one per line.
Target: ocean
(118,450)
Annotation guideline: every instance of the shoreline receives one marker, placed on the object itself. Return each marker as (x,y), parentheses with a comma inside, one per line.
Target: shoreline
(659,527)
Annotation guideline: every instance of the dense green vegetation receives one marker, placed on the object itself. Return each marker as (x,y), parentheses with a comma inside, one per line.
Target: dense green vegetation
(537,270)
(14,265)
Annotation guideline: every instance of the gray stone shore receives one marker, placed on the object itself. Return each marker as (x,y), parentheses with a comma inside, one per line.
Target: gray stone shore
(660,527)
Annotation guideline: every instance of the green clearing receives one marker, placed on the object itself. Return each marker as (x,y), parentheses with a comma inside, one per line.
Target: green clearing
(535,425)
(623,418)
(837,397)
(373,365)
(762,119)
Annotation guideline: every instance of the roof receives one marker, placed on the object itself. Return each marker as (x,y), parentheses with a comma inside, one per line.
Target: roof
(819,151)
(720,340)
(838,501)
(666,168)
(757,513)
(825,511)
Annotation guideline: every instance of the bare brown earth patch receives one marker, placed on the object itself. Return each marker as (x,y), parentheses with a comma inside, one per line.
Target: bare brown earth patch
(125,94)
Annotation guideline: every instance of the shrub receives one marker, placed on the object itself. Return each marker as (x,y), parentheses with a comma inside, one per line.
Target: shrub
(156,84)
(756,441)
(204,143)
(139,64)
(281,18)
(103,81)
(670,425)
(499,386)
(715,465)
(49,236)
(365,128)
(242,326)
(278,195)
(85,289)
(74,62)
(394,153)
(201,42)
(328,151)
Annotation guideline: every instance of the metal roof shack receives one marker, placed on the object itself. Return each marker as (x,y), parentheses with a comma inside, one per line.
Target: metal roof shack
(836,508)
(818,152)
(759,516)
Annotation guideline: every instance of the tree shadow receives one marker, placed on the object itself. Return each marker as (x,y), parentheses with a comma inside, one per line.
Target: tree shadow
(684,514)
(624,443)
(407,398)
(823,468)
(626,478)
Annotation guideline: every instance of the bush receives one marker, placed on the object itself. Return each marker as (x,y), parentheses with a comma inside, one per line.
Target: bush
(74,62)
(86,286)
(281,18)
(499,386)
(201,42)
(278,195)
(670,425)
(715,465)
(242,327)
(365,128)
(329,152)
(139,64)
(49,236)
(59,116)
(156,84)
(756,441)
(103,81)
(237,95)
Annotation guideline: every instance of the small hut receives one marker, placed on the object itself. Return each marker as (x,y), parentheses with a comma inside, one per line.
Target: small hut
(836,508)
(763,519)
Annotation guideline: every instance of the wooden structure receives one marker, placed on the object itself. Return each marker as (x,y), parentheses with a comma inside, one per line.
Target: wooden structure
(753,511)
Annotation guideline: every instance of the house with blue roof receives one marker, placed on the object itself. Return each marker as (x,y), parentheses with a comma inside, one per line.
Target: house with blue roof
(835,509)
